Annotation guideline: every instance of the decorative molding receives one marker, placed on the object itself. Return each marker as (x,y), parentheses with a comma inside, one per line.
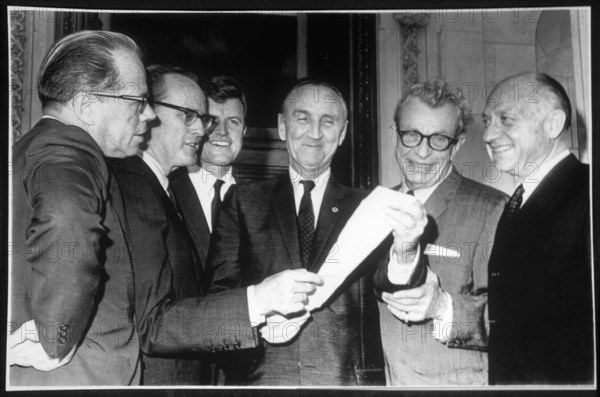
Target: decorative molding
(410,23)
(364,119)
(76,21)
(17,69)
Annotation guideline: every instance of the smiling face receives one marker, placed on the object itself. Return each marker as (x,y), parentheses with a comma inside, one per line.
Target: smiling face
(119,126)
(514,134)
(173,143)
(421,166)
(313,124)
(225,142)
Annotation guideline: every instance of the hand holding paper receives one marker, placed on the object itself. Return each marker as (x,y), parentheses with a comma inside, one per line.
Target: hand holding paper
(370,224)
(408,219)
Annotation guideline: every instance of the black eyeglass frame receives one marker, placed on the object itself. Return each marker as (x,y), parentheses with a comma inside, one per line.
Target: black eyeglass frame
(451,141)
(143,100)
(207,120)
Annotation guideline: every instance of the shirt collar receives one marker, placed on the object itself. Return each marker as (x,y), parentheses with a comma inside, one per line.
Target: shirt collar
(196,171)
(535,178)
(156,169)
(320,181)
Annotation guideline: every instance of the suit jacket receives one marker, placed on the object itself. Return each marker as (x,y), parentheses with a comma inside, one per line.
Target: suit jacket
(255,237)
(462,216)
(540,291)
(71,269)
(174,320)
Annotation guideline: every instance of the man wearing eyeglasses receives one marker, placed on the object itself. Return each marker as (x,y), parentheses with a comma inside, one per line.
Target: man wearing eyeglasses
(201,187)
(179,328)
(431,333)
(71,290)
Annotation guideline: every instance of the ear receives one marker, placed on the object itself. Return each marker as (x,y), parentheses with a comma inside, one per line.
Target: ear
(394,134)
(461,139)
(245,129)
(82,105)
(343,133)
(281,126)
(554,122)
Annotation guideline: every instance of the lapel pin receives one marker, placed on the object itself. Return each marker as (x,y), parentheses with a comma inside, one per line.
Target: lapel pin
(334,210)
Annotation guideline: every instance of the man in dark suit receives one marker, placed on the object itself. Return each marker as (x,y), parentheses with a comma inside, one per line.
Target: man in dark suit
(432,335)
(175,321)
(540,286)
(292,222)
(196,187)
(71,284)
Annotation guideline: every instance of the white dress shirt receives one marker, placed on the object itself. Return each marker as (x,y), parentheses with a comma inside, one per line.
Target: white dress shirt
(203,182)
(157,170)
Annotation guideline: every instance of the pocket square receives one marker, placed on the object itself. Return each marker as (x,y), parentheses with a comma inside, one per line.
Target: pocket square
(439,251)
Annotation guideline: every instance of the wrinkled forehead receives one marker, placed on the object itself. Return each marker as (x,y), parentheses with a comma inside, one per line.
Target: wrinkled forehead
(316,97)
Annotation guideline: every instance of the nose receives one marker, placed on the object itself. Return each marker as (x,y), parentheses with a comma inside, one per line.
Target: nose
(423,150)
(148,113)
(491,133)
(197,128)
(220,129)
(314,131)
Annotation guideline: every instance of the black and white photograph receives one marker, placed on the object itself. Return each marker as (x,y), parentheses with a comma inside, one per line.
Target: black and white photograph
(386,199)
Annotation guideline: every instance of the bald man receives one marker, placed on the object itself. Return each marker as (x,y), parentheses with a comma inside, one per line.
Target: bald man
(540,280)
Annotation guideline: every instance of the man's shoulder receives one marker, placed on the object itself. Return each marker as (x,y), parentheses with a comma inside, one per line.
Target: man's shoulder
(480,192)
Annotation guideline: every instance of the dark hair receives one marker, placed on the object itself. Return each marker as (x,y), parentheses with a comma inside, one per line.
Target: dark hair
(435,94)
(558,92)
(82,61)
(222,88)
(307,82)
(156,77)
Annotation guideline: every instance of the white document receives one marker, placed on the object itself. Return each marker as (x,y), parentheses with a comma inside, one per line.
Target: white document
(365,230)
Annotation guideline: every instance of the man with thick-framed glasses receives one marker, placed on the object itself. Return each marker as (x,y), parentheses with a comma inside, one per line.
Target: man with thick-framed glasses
(431,333)
(179,328)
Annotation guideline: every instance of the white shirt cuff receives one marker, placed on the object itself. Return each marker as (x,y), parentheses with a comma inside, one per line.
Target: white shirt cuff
(443,328)
(398,272)
(256,318)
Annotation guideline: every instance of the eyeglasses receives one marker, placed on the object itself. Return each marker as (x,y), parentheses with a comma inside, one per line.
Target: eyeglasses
(438,142)
(190,115)
(142,100)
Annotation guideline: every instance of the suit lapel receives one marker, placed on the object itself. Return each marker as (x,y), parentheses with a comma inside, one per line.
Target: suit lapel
(192,212)
(437,203)
(331,212)
(285,212)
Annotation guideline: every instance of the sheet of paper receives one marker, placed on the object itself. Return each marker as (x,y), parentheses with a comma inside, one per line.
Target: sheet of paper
(365,230)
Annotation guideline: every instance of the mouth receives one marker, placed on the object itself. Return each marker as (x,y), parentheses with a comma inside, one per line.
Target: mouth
(219,143)
(498,149)
(193,145)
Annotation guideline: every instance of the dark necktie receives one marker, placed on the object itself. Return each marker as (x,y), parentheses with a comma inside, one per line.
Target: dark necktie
(216,202)
(411,192)
(514,204)
(173,200)
(306,223)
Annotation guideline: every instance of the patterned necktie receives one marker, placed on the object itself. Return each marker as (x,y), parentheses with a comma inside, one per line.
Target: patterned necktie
(216,202)
(514,204)
(306,223)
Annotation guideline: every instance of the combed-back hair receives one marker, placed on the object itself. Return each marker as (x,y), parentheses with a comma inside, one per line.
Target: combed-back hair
(438,93)
(319,83)
(223,88)
(80,62)
(156,78)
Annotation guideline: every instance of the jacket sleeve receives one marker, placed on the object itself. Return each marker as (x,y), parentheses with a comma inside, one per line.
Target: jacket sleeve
(383,283)
(166,325)
(64,239)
